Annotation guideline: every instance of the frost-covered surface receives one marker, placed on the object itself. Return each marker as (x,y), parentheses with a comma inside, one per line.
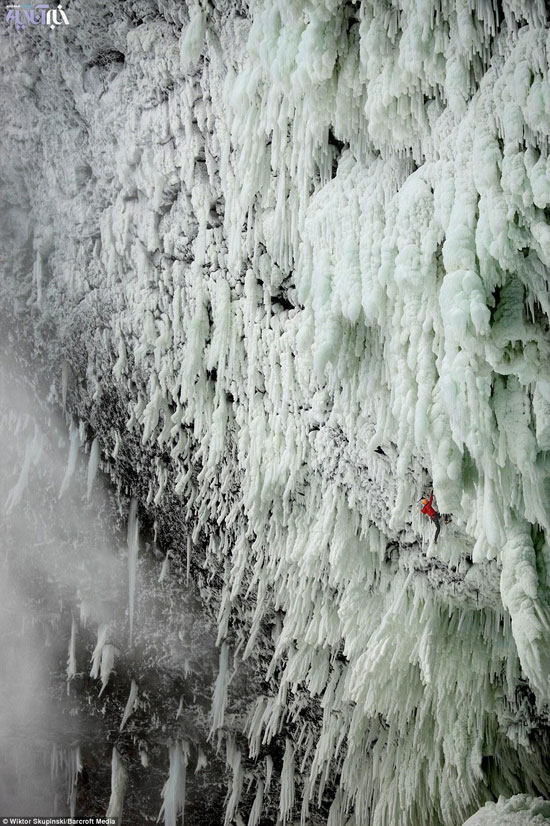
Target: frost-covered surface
(289,261)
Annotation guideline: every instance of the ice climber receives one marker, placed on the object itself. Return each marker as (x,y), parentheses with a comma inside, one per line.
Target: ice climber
(430,511)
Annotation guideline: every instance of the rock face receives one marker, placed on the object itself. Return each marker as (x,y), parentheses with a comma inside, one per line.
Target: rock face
(285,268)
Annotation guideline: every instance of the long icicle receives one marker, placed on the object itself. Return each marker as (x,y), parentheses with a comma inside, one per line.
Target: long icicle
(133,540)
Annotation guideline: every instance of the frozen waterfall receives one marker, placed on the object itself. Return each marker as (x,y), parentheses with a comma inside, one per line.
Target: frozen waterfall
(274,271)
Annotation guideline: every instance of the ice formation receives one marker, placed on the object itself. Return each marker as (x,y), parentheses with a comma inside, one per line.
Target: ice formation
(67,762)
(133,545)
(295,256)
(173,807)
(118,787)
(71,659)
(129,707)
(520,810)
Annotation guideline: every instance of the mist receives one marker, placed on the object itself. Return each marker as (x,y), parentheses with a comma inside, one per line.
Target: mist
(60,562)
(76,573)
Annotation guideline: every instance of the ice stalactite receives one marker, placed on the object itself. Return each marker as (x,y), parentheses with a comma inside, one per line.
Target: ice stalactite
(286,803)
(233,759)
(165,570)
(67,762)
(173,793)
(71,660)
(256,810)
(64,382)
(102,633)
(529,608)
(37,277)
(133,544)
(108,655)
(103,657)
(130,703)
(93,464)
(219,699)
(118,786)
(74,448)
(202,761)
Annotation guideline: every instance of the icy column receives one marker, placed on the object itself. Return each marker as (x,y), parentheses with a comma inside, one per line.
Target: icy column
(118,786)
(220,690)
(73,456)
(69,763)
(133,538)
(93,463)
(129,704)
(71,660)
(173,792)
(287,783)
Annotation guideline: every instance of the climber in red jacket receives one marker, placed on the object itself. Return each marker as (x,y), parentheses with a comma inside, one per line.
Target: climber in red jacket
(430,511)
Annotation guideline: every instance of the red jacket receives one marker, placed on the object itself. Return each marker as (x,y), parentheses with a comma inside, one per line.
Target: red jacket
(427,509)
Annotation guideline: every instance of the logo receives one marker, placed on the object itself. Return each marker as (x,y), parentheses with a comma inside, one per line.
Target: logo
(38,15)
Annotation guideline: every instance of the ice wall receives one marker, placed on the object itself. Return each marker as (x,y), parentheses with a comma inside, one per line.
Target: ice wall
(290,261)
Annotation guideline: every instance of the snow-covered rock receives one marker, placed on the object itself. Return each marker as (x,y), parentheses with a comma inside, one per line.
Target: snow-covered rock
(519,810)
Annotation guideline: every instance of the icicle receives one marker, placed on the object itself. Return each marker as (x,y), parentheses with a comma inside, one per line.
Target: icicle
(67,761)
(220,690)
(133,540)
(118,787)
(102,632)
(107,662)
(73,456)
(188,564)
(286,802)
(165,569)
(93,463)
(173,792)
(122,360)
(103,658)
(54,761)
(234,761)
(256,810)
(75,767)
(71,661)
(129,704)
(202,761)
(37,277)
(118,444)
(268,772)
(64,382)
(336,816)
